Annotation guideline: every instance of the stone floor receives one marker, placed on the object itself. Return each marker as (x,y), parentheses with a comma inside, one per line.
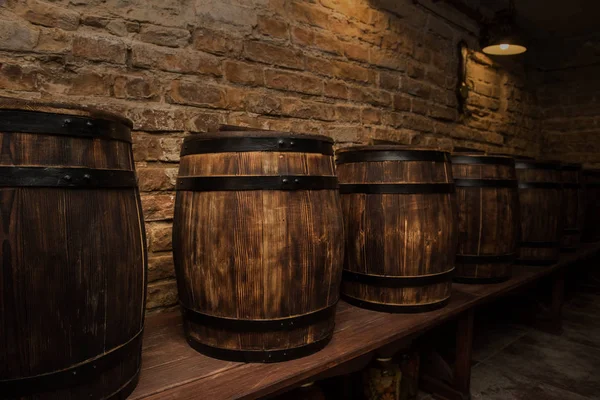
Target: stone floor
(516,361)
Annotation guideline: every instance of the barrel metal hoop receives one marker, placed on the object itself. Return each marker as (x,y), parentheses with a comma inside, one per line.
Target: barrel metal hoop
(396,308)
(540,185)
(486,259)
(21,121)
(198,145)
(283,182)
(397,281)
(74,178)
(536,263)
(486,183)
(258,356)
(479,160)
(522,164)
(391,155)
(480,280)
(540,245)
(397,188)
(73,376)
(571,167)
(572,186)
(254,325)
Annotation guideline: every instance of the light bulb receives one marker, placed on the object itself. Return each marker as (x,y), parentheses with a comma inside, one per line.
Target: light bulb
(504,47)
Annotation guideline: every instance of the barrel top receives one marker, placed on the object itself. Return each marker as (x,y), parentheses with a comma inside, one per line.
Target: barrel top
(226,134)
(379,153)
(480,158)
(389,147)
(7,103)
(525,163)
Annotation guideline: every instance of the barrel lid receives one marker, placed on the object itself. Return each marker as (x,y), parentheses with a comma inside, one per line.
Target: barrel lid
(479,158)
(225,134)
(526,163)
(377,153)
(7,103)
(469,150)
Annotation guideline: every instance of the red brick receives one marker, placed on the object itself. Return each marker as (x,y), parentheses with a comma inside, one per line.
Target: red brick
(88,83)
(160,267)
(164,36)
(371,116)
(375,97)
(419,106)
(159,236)
(302,36)
(259,102)
(157,206)
(388,59)
(54,41)
(328,43)
(356,51)
(389,80)
(401,102)
(415,70)
(336,89)
(161,294)
(347,113)
(401,136)
(308,13)
(151,120)
(307,109)
(443,113)
(204,122)
(156,178)
(437,78)
(17,77)
(174,60)
(247,74)
(135,87)
(216,42)
(418,123)
(416,88)
(293,81)
(273,27)
(46,14)
(100,48)
(271,54)
(196,94)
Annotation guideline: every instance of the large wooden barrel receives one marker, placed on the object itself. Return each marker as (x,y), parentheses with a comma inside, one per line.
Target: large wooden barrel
(591,185)
(258,244)
(72,279)
(573,207)
(540,198)
(488,217)
(400,223)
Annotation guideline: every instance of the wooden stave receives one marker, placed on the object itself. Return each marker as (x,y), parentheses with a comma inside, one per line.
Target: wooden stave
(591,186)
(367,295)
(204,338)
(573,210)
(98,158)
(494,176)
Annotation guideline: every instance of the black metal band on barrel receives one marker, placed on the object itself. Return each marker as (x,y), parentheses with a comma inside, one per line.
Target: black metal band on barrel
(488,259)
(571,167)
(571,185)
(397,188)
(397,281)
(77,375)
(540,245)
(395,308)
(255,325)
(486,183)
(258,356)
(540,185)
(479,280)
(21,121)
(246,144)
(391,155)
(536,263)
(478,160)
(522,164)
(285,182)
(75,178)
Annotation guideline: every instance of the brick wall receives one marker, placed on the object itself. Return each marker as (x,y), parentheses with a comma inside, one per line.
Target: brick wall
(350,69)
(570,105)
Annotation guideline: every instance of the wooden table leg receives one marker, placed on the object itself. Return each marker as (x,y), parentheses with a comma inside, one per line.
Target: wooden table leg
(464,351)
(558,295)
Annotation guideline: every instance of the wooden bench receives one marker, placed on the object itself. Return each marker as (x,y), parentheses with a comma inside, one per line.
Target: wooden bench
(172,370)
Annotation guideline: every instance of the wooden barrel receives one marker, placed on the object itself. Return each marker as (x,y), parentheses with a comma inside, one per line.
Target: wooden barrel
(540,198)
(488,217)
(72,279)
(258,244)
(573,206)
(591,185)
(400,224)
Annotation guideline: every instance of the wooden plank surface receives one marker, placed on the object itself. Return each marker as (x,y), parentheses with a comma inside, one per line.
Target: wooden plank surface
(172,370)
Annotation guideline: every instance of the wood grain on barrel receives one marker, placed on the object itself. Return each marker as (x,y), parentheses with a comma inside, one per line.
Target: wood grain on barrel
(591,227)
(398,235)
(540,211)
(573,207)
(488,218)
(72,280)
(258,254)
